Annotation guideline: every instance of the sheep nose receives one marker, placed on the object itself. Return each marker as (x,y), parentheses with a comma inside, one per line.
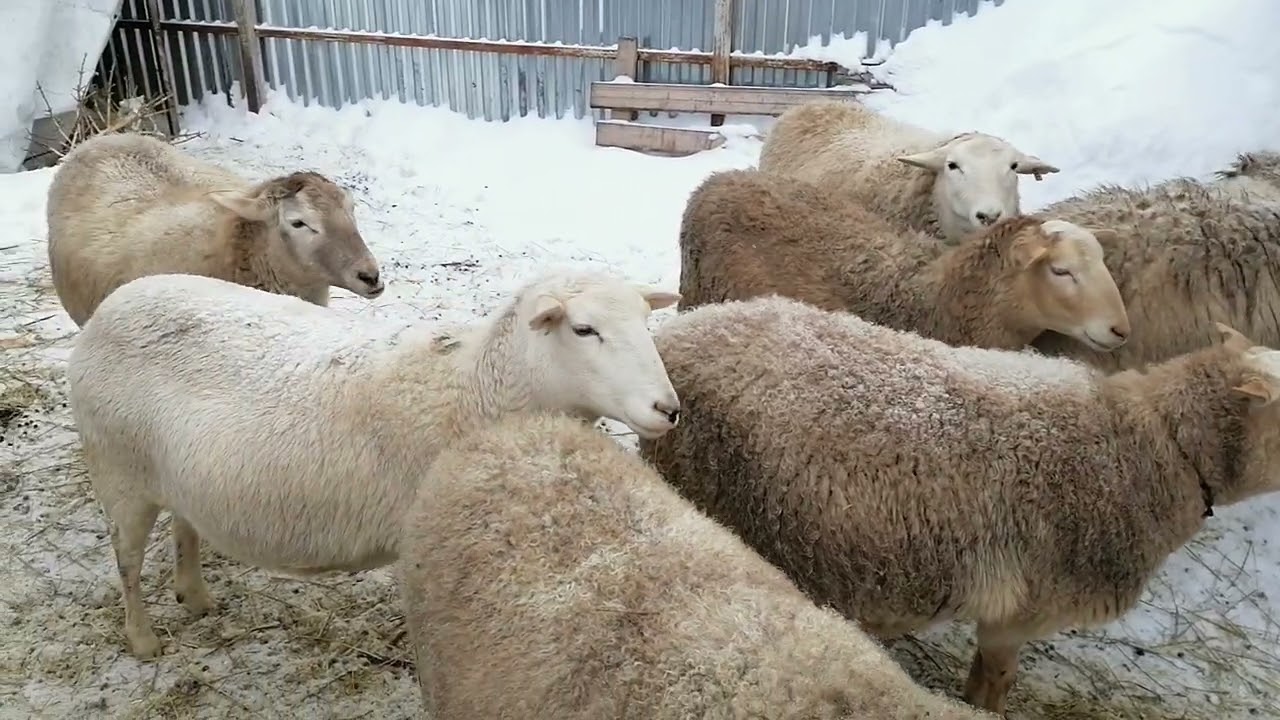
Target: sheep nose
(368,278)
(1120,332)
(987,217)
(669,408)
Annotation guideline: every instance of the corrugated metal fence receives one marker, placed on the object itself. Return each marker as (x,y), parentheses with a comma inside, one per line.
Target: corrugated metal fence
(489,85)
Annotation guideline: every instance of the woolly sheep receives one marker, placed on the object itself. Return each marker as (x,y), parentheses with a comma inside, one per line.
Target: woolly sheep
(745,233)
(293,437)
(1254,176)
(1185,255)
(124,205)
(946,187)
(905,481)
(549,573)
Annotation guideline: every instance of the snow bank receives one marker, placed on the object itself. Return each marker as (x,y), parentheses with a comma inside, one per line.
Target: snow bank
(44,43)
(1127,92)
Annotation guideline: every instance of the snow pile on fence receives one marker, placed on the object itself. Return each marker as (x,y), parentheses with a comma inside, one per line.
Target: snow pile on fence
(45,46)
(1126,92)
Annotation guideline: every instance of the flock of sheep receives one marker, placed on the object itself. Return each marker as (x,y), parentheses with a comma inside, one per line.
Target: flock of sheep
(888,399)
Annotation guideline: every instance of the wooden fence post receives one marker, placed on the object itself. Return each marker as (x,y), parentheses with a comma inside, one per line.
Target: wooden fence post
(626,63)
(251,82)
(721,46)
(164,66)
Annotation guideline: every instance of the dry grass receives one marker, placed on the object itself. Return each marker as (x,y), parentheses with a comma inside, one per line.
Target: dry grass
(98,112)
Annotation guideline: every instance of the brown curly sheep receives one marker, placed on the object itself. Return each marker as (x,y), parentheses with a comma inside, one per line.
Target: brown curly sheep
(745,233)
(124,205)
(1253,176)
(1185,255)
(907,482)
(944,186)
(549,573)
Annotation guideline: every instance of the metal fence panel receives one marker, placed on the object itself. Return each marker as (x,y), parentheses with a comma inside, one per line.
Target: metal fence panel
(487,85)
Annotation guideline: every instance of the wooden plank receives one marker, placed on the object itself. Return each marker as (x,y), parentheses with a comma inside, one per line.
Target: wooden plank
(251,82)
(160,45)
(721,47)
(657,139)
(626,63)
(736,100)
(501,47)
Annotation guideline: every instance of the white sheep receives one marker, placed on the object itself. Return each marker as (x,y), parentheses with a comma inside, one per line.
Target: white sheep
(944,186)
(546,572)
(123,205)
(293,437)
(906,482)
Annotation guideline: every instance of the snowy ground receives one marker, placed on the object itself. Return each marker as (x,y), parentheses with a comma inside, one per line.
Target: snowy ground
(459,213)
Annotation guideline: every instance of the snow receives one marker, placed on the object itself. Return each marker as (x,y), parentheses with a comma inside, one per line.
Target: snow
(50,44)
(1125,92)
(460,212)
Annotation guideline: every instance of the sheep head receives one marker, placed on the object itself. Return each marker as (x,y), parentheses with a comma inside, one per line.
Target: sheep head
(591,351)
(975,180)
(315,219)
(1064,284)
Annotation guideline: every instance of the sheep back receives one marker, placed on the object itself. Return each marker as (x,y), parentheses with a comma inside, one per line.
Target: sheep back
(245,407)
(121,206)
(549,573)
(1252,177)
(1184,256)
(745,233)
(840,450)
(851,150)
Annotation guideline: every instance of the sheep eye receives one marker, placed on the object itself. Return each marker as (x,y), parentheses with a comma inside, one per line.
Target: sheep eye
(297,224)
(1013,166)
(584,330)
(1059,271)
(951,165)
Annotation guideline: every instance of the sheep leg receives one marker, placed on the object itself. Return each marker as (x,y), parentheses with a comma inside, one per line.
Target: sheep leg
(131,523)
(188,582)
(994,668)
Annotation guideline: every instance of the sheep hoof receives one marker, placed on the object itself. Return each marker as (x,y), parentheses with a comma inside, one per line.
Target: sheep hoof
(143,643)
(197,602)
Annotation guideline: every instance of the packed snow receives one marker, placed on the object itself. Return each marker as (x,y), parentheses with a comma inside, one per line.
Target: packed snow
(460,212)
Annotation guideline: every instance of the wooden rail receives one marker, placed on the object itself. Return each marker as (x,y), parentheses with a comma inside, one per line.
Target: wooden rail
(502,47)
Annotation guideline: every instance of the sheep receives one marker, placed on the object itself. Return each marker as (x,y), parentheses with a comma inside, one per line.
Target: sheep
(897,169)
(745,233)
(1253,176)
(907,482)
(124,205)
(547,572)
(1185,255)
(252,416)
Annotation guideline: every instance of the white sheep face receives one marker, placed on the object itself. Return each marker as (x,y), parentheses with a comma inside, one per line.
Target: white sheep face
(593,353)
(976,180)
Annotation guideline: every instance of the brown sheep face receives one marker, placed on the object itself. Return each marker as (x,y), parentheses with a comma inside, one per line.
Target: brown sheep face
(976,180)
(317,222)
(1066,287)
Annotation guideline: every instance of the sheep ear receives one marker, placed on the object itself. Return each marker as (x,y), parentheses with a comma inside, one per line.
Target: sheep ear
(1032,165)
(547,311)
(658,299)
(1259,391)
(254,209)
(1028,252)
(929,159)
(1233,338)
(1105,236)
